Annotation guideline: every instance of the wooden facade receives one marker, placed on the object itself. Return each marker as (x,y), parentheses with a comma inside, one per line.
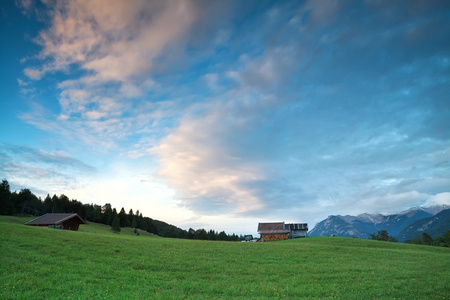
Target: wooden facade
(274,237)
(58,221)
(297,230)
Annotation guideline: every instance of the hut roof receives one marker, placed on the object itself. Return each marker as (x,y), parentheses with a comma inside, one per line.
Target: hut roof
(269,228)
(53,219)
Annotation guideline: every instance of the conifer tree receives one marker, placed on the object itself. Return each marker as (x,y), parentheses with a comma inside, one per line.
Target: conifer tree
(107,214)
(6,206)
(115,226)
(123,218)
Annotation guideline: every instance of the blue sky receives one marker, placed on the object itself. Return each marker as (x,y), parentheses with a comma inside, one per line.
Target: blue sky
(223,114)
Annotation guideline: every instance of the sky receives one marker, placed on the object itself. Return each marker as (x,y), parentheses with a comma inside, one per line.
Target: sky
(223,114)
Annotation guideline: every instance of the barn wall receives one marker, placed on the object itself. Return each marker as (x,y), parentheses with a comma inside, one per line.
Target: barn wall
(71,225)
(274,237)
(299,233)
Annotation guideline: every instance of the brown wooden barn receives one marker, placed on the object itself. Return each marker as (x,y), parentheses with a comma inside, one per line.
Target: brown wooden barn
(61,221)
(279,231)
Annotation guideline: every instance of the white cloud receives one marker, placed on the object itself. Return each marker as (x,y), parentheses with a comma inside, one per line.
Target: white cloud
(33,73)
(94,115)
(211,80)
(438,199)
(269,70)
(198,163)
(20,82)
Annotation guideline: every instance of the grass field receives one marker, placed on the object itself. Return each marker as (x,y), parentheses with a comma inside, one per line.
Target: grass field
(41,263)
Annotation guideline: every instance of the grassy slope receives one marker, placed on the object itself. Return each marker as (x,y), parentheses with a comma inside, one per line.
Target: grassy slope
(105,229)
(38,263)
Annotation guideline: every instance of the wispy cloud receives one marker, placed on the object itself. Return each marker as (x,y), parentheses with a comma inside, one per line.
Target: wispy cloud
(26,6)
(26,167)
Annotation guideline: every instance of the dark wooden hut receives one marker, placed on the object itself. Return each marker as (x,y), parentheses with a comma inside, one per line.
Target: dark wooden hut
(61,221)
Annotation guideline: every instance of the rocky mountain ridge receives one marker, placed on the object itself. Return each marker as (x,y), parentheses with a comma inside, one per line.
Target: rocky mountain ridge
(363,225)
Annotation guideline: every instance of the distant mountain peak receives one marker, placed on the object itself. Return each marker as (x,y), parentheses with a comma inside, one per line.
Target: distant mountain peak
(434,225)
(374,218)
(435,209)
(364,224)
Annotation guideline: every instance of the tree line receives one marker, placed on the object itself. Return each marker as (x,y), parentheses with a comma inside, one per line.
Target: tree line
(382,235)
(25,202)
(424,239)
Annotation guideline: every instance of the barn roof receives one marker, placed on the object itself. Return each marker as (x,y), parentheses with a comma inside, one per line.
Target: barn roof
(268,228)
(53,219)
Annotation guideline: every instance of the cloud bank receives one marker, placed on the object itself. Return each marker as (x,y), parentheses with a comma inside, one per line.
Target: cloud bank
(331,115)
(259,109)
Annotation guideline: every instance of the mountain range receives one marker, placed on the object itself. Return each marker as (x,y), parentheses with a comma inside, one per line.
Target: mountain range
(404,226)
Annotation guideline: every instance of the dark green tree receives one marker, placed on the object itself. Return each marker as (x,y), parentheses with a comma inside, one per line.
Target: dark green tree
(6,206)
(212,235)
(96,213)
(56,205)
(201,234)
(382,235)
(191,233)
(150,225)
(140,221)
(114,214)
(427,239)
(169,231)
(130,217)
(115,226)
(138,217)
(415,240)
(47,205)
(222,236)
(64,204)
(392,239)
(27,203)
(75,207)
(88,212)
(107,214)
(123,218)
(444,240)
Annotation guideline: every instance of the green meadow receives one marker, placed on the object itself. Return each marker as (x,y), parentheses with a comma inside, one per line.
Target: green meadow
(94,263)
